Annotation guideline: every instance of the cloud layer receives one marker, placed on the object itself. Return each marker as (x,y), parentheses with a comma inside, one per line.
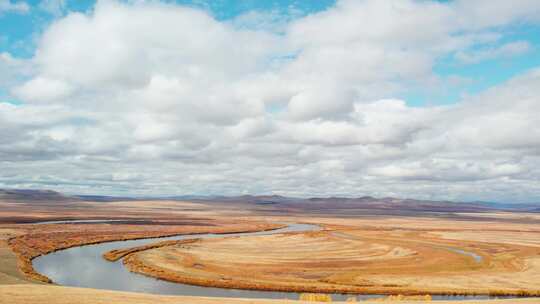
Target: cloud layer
(7,6)
(150,98)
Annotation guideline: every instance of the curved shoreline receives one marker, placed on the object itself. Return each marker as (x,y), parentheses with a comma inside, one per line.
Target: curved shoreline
(25,261)
(117,254)
(93,271)
(68,295)
(133,264)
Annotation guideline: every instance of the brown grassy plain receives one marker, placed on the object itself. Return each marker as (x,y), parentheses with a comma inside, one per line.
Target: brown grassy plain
(22,294)
(375,255)
(21,241)
(356,251)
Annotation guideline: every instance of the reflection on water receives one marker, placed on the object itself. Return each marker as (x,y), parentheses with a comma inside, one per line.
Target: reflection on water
(477,258)
(84,267)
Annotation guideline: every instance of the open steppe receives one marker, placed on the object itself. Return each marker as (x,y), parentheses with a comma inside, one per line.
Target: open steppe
(367,246)
(385,255)
(23,237)
(22,294)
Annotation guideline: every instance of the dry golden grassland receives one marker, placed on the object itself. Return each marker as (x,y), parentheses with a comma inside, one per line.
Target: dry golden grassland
(49,238)
(117,254)
(42,294)
(389,254)
(9,270)
(20,243)
(376,255)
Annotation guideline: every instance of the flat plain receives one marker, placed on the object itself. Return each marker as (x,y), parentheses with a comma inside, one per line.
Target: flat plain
(21,294)
(402,256)
(366,246)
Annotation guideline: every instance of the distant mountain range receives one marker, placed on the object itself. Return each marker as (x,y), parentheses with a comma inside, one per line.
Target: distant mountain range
(23,195)
(277,203)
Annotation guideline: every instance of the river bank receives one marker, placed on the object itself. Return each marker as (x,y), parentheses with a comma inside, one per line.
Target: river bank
(343,262)
(58,237)
(41,294)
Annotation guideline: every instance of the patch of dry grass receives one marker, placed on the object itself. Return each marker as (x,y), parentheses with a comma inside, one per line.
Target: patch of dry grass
(349,260)
(115,255)
(315,297)
(37,240)
(42,294)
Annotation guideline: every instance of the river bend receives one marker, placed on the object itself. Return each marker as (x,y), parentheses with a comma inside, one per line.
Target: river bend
(84,266)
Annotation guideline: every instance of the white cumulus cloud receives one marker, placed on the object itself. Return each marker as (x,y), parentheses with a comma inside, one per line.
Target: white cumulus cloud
(157,98)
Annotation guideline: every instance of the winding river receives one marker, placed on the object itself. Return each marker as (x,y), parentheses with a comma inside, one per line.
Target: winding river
(84,266)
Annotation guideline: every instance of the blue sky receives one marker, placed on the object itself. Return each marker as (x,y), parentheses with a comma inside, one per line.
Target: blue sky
(21,31)
(408,98)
